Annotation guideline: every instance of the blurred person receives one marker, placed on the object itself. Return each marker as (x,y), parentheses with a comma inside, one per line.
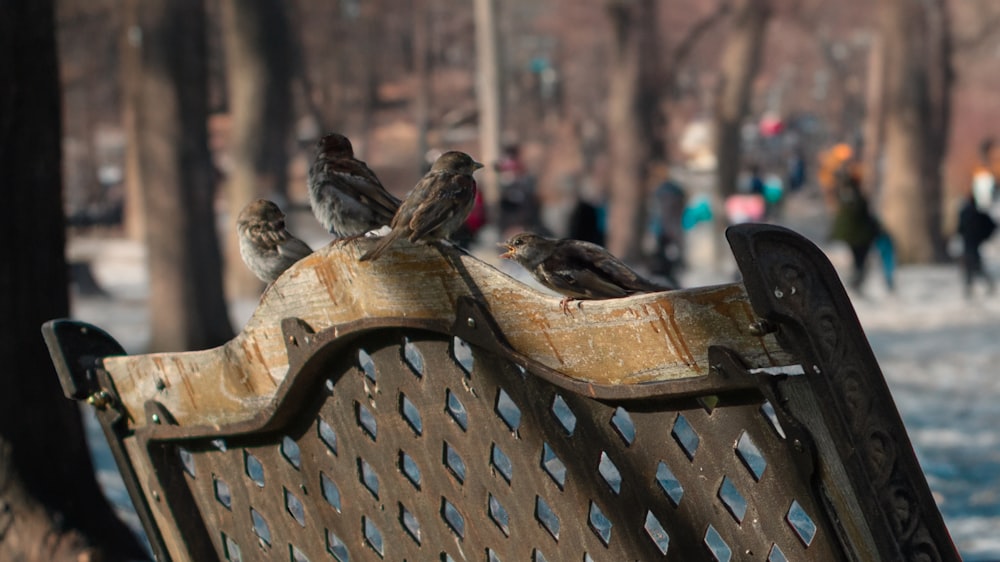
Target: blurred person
(975,227)
(855,225)
(984,182)
(519,204)
(667,221)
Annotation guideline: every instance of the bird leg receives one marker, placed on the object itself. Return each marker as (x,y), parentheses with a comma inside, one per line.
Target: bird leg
(564,305)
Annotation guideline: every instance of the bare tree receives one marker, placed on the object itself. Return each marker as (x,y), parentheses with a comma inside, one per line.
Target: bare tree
(737,69)
(633,120)
(918,76)
(50,506)
(187,306)
(489,99)
(258,70)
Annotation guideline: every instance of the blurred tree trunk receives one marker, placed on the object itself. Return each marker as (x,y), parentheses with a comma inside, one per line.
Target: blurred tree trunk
(918,78)
(422,69)
(131,52)
(738,68)
(489,101)
(258,70)
(51,508)
(632,120)
(187,307)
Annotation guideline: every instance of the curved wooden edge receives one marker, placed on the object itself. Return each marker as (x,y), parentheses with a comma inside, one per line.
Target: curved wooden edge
(634,340)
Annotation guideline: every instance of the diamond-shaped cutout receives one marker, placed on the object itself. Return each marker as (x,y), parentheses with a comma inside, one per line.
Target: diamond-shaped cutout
(260,526)
(537,556)
(775,555)
(492,556)
(462,353)
(508,410)
(499,515)
(331,493)
(547,517)
(457,410)
(413,357)
(222,493)
(587,557)
(368,477)
(290,450)
(367,365)
(669,483)
(296,554)
(656,532)
(623,425)
(685,436)
(609,471)
(751,456)
(254,469)
(410,469)
(231,550)
(411,414)
(564,415)
(717,545)
(801,523)
(373,537)
(501,462)
(220,444)
(295,508)
(453,518)
(187,460)
(599,523)
(709,402)
(772,417)
(366,420)
(336,547)
(327,435)
(553,466)
(410,523)
(454,462)
(733,499)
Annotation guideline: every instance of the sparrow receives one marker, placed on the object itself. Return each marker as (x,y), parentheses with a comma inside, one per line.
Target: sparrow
(576,269)
(265,246)
(345,195)
(437,206)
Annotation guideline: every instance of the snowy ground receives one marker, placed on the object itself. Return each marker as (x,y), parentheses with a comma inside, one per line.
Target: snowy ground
(939,352)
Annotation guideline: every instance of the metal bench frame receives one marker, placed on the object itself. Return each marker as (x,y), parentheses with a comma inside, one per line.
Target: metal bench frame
(405,438)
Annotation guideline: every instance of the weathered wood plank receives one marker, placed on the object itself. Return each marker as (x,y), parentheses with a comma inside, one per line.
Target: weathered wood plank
(633,340)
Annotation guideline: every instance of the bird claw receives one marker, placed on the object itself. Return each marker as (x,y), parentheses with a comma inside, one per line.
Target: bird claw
(564,305)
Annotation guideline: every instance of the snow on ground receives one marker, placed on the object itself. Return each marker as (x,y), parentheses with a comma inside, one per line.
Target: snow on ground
(939,352)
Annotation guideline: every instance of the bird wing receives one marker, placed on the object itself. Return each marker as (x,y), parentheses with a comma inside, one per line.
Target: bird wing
(294,248)
(439,198)
(356,180)
(582,283)
(603,274)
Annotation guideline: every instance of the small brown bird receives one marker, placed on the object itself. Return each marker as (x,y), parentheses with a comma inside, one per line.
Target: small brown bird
(576,269)
(265,246)
(346,196)
(437,206)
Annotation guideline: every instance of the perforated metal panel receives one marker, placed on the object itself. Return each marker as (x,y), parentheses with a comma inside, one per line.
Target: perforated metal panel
(416,446)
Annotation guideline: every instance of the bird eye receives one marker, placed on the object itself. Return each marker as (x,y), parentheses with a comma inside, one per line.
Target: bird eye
(519,242)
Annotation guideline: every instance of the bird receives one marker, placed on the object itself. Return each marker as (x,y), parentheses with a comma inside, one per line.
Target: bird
(265,246)
(437,206)
(576,269)
(346,196)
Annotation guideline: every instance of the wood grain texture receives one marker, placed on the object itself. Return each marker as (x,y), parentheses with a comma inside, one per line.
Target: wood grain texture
(633,340)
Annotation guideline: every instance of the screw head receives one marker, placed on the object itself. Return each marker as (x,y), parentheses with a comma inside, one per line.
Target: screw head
(155,418)
(471,322)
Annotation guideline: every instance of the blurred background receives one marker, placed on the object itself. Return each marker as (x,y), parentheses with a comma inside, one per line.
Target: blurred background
(644,125)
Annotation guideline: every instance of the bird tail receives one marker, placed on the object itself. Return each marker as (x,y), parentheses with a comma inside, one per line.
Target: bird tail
(381,245)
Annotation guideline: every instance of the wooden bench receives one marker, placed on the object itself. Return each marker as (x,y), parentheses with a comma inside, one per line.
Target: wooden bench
(427,407)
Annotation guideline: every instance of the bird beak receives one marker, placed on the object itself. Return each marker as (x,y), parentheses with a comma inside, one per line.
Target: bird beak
(509,254)
(476,165)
